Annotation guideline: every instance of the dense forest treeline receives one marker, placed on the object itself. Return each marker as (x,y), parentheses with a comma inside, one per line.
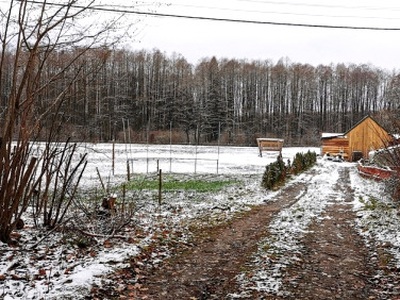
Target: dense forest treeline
(147,96)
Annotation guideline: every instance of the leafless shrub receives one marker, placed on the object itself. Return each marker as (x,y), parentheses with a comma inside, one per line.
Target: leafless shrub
(390,158)
(41,59)
(389,155)
(102,223)
(62,172)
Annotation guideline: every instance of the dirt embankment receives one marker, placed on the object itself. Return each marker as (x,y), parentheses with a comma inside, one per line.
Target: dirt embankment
(334,262)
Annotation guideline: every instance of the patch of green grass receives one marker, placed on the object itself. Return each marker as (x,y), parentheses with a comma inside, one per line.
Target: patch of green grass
(373,204)
(384,257)
(173,185)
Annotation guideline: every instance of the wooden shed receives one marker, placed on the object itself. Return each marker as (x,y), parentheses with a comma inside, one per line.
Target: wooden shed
(357,142)
(335,144)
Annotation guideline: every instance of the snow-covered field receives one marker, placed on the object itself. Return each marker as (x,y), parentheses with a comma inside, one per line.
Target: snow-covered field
(178,159)
(60,270)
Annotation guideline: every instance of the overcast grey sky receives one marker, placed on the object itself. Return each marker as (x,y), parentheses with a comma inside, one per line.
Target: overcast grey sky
(196,39)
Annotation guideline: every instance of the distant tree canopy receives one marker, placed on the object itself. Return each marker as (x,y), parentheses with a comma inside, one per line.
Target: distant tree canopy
(147,93)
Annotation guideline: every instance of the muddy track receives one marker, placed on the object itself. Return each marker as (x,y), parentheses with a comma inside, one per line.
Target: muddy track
(208,269)
(333,264)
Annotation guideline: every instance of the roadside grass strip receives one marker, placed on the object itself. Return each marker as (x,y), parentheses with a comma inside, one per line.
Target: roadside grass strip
(378,219)
(282,245)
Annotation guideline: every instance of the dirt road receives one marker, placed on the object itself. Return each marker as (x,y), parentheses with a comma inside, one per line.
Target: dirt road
(334,262)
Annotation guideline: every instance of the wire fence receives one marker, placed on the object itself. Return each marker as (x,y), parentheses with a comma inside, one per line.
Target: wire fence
(171,164)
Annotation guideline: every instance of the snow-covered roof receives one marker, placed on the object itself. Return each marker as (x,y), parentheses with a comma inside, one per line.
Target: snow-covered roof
(326,135)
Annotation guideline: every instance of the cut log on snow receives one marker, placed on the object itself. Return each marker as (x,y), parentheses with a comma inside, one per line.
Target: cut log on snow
(108,206)
(109,203)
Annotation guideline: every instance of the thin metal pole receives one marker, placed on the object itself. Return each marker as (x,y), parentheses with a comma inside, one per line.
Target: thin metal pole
(129,138)
(124,130)
(147,142)
(113,157)
(160,187)
(123,197)
(170,147)
(195,160)
(219,138)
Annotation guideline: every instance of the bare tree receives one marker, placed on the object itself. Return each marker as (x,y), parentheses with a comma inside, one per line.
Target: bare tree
(42,49)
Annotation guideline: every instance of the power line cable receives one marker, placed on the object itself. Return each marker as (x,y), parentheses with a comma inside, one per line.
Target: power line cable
(357,7)
(384,9)
(285,13)
(125,11)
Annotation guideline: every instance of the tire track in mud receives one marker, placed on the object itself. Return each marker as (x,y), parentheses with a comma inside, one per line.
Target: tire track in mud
(282,247)
(209,269)
(334,262)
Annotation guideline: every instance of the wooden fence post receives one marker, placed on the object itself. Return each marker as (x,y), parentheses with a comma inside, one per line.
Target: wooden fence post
(101,180)
(123,197)
(113,158)
(159,187)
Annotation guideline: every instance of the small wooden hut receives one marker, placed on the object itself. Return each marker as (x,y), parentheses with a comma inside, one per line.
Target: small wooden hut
(270,144)
(357,142)
(335,144)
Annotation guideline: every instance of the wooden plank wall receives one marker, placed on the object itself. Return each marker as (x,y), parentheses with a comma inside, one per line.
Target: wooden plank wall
(335,145)
(270,145)
(367,136)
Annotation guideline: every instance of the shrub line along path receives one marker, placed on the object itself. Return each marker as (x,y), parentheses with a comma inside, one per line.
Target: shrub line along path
(333,264)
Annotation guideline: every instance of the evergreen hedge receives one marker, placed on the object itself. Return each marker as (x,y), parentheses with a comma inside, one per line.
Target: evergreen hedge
(275,173)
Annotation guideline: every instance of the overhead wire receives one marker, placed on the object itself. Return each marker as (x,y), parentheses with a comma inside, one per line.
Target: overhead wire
(357,7)
(284,13)
(280,3)
(232,20)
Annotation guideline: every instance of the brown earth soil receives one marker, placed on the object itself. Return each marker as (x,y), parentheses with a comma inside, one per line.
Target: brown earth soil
(335,262)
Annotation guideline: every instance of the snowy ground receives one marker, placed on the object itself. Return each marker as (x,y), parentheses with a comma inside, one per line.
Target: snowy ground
(63,270)
(378,216)
(178,159)
(287,228)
